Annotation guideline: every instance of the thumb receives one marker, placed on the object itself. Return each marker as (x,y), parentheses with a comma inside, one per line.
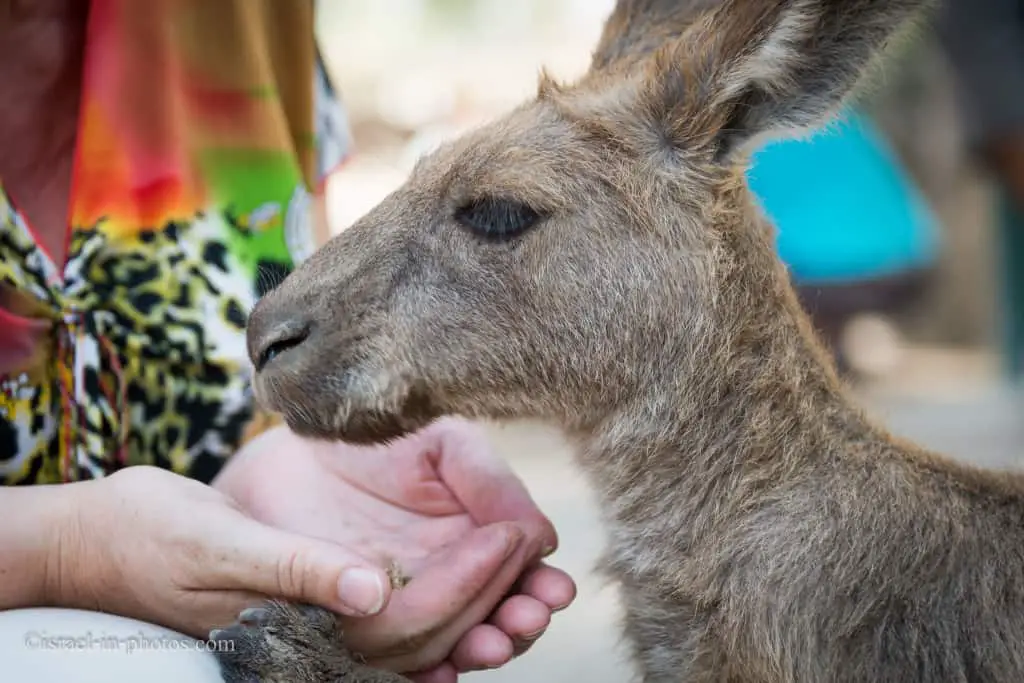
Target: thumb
(303,569)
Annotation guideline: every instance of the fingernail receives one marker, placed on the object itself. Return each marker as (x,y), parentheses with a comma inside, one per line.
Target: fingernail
(362,590)
(548,551)
(530,637)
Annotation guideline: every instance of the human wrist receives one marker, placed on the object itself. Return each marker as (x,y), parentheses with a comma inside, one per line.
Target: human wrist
(78,558)
(41,543)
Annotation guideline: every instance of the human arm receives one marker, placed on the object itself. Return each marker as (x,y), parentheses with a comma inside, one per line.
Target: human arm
(35,524)
(149,544)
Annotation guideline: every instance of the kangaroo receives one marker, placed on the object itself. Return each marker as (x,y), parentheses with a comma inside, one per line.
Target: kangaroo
(595,259)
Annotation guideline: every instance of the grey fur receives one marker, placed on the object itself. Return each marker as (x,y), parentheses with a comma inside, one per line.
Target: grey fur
(762,529)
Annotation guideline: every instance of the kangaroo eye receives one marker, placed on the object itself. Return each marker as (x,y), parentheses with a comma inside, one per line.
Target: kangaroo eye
(497,219)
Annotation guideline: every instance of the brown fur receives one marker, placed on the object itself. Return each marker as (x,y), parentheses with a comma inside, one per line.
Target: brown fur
(281,643)
(762,529)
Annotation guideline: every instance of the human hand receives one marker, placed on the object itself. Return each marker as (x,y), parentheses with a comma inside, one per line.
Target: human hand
(442,505)
(149,544)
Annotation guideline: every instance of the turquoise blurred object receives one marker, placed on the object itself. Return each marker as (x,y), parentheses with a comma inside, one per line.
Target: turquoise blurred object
(1011,241)
(844,208)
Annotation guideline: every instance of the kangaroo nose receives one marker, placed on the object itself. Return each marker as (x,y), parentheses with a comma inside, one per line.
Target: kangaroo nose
(269,339)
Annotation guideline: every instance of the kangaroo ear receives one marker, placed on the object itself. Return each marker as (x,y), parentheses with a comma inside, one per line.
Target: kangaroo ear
(754,68)
(637,28)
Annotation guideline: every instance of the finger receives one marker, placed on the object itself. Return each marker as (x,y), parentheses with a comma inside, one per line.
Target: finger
(443,589)
(483,482)
(484,647)
(455,591)
(273,562)
(521,618)
(521,647)
(443,673)
(551,586)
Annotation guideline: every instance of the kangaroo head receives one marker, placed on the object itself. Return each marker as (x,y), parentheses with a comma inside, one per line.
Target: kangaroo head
(594,241)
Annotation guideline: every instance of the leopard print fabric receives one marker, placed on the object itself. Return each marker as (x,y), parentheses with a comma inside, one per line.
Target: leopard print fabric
(134,352)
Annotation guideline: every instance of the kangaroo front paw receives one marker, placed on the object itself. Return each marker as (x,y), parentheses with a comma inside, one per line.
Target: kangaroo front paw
(285,643)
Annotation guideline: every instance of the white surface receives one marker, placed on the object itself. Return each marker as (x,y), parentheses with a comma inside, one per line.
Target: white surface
(69,646)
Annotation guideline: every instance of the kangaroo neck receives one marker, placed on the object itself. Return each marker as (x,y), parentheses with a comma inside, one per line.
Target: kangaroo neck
(696,452)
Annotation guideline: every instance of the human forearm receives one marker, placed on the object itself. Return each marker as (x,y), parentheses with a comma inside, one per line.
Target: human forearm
(38,527)
(156,546)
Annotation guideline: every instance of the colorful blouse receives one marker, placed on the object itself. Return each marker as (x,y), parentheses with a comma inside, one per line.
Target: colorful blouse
(203,129)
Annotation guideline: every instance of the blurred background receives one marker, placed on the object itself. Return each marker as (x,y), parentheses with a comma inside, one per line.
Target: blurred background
(413,72)
(901,226)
